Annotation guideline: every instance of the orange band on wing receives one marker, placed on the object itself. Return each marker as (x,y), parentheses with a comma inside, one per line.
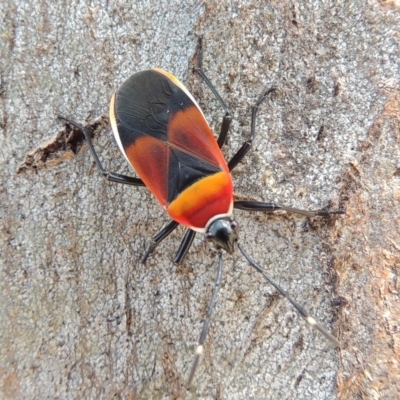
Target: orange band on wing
(203,200)
(149,158)
(189,131)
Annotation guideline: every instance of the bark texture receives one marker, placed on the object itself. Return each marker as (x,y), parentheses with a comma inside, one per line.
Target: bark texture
(81,317)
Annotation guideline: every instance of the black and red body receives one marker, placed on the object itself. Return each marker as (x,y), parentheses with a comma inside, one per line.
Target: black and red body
(165,137)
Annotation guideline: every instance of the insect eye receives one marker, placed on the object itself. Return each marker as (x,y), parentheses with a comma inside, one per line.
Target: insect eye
(209,236)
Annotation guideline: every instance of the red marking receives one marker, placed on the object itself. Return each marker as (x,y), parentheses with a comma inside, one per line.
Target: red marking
(188,130)
(149,158)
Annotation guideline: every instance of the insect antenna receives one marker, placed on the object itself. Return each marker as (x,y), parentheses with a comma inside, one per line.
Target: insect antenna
(303,313)
(206,324)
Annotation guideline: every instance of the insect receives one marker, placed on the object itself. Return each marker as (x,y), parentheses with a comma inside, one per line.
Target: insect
(164,136)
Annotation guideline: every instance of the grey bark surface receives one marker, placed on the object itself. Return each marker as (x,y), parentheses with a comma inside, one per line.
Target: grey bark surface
(81,317)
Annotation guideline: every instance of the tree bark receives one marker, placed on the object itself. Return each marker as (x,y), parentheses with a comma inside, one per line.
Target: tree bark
(82,317)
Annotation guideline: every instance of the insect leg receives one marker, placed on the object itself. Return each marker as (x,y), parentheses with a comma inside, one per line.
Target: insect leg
(270,207)
(206,324)
(110,176)
(157,239)
(227,119)
(247,144)
(184,246)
